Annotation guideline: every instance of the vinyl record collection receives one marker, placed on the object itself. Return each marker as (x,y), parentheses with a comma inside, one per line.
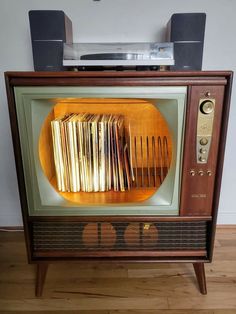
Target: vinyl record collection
(96,153)
(91,153)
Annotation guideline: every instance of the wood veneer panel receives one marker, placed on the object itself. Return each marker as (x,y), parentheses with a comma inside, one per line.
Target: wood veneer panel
(189,74)
(104,81)
(220,161)
(19,164)
(129,78)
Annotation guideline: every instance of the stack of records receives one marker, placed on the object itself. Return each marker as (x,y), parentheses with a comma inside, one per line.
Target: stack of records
(91,153)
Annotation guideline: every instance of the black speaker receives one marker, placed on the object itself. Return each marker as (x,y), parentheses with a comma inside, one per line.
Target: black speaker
(186,31)
(50,29)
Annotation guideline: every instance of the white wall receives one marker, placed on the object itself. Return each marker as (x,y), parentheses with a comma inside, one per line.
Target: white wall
(113,20)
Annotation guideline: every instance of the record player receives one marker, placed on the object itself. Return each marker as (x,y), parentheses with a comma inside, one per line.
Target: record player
(118,54)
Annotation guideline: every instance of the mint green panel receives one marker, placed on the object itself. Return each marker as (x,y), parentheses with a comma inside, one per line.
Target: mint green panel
(33,104)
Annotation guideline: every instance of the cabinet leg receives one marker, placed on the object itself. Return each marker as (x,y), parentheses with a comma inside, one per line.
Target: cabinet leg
(40,278)
(201,278)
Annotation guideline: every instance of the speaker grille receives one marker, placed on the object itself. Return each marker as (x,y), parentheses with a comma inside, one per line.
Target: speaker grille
(119,236)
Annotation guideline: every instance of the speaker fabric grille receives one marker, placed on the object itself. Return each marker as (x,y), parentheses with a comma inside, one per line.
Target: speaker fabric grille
(119,236)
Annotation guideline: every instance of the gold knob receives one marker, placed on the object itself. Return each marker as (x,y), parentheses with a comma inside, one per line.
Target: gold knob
(209,173)
(201,173)
(207,106)
(203,141)
(202,159)
(203,150)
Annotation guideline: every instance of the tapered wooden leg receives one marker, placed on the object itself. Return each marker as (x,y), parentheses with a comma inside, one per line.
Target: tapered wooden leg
(201,278)
(40,278)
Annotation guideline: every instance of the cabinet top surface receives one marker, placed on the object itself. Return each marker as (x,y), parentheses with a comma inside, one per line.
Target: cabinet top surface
(135,74)
(118,78)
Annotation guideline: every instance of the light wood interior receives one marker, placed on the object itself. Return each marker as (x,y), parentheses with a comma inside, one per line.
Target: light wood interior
(144,120)
(109,197)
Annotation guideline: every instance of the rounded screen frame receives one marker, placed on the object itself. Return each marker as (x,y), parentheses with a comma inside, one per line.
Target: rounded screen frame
(34,103)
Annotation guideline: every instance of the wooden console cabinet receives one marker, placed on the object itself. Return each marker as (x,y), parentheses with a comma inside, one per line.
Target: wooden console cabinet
(187,236)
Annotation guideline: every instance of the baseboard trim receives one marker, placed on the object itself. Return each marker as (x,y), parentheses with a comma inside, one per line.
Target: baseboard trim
(12,228)
(226,226)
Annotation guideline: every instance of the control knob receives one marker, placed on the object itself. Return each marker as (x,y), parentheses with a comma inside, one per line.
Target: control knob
(192,173)
(202,159)
(207,106)
(204,141)
(203,150)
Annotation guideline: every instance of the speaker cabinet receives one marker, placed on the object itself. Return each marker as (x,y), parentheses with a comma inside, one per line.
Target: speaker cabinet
(49,31)
(186,31)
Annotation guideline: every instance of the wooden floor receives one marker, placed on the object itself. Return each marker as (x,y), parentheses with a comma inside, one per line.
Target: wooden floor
(118,289)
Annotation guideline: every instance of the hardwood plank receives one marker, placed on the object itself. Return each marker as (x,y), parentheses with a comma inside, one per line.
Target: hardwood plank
(174,312)
(219,300)
(75,288)
(83,304)
(224,311)
(103,288)
(159,270)
(225,253)
(162,312)
(218,268)
(10,271)
(126,312)
(56,312)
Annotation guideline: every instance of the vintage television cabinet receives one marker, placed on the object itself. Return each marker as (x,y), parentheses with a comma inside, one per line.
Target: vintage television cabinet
(148,187)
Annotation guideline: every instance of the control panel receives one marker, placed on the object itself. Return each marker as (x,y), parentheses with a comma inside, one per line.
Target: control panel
(205,121)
